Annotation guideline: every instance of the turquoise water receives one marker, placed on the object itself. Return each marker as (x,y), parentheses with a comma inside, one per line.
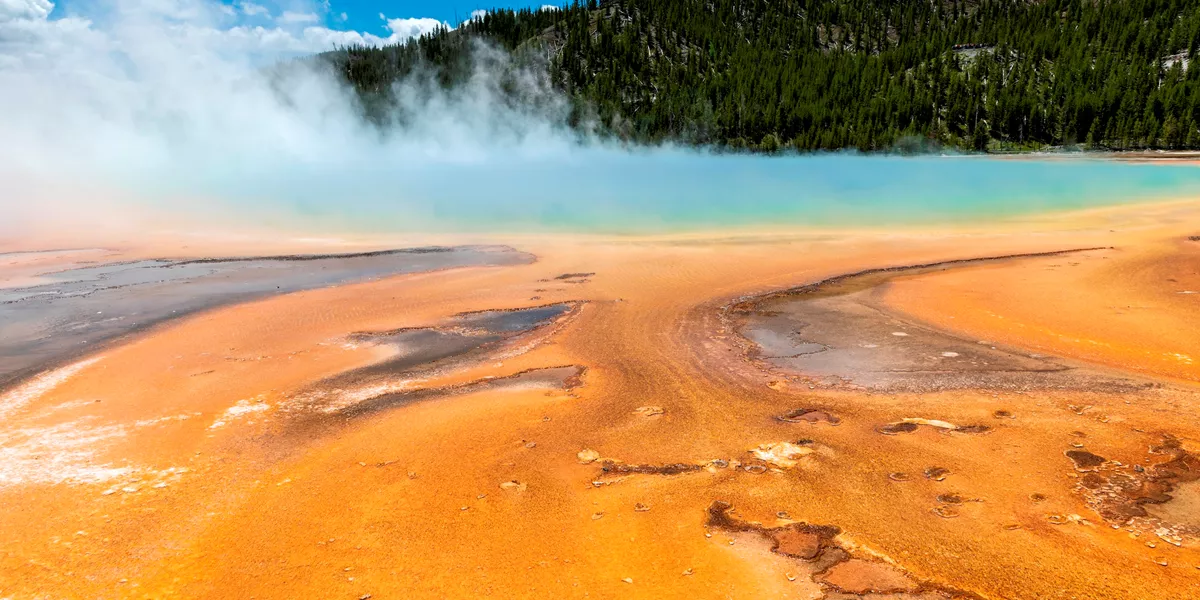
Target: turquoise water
(666,191)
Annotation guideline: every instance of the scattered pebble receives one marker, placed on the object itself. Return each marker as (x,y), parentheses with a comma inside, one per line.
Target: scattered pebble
(945,512)
(781,454)
(513,486)
(648,411)
(936,473)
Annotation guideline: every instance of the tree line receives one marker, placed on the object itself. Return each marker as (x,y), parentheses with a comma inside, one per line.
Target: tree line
(769,75)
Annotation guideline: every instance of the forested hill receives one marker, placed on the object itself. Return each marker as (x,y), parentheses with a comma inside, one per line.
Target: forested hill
(768,75)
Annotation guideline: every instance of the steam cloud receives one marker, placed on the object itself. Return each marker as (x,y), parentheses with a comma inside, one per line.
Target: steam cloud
(166,106)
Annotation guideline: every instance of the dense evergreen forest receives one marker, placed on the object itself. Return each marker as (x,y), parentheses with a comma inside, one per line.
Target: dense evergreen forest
(770,75)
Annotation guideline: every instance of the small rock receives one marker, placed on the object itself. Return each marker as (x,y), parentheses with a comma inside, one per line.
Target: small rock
(936,473)
(648,411)
(628,580)
(945,512)
(597,516)
(687,571)
(639,507)
(587,456)
(514,486)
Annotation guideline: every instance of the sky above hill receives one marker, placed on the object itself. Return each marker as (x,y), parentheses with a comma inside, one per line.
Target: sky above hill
(37,30)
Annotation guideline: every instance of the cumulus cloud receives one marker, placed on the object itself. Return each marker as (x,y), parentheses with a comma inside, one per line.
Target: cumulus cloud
(298,17)
(252,9)
(25,9)
(28,35)
(410,28)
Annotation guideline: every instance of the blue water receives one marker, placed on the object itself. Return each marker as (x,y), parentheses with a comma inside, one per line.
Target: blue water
(666,191)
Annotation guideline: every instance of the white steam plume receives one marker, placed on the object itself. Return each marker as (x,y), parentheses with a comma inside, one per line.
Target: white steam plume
(165,105)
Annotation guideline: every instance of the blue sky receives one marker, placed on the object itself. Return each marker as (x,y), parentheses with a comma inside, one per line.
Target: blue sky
(266,28)
(363,15)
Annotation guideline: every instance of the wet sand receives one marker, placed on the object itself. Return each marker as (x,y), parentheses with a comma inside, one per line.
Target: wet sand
(602,429)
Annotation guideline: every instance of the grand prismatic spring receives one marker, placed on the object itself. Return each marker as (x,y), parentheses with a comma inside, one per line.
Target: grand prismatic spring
(812,299)
(930,395)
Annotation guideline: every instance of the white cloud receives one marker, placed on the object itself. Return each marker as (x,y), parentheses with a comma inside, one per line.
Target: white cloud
(25,9)
(251,9)
(478,14)
(550,7)
(290,17)
(409,28)
(27,35)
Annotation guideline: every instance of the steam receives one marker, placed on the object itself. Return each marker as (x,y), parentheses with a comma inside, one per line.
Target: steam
(183,107)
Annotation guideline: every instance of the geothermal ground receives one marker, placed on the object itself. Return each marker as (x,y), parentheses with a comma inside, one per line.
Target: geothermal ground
(999,413)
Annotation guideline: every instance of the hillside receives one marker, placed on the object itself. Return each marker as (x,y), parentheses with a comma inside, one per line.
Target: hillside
(763,75)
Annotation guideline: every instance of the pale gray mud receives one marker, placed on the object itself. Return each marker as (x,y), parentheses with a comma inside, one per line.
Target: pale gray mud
(463,338)
(86,307)
(421,353)
(838,332)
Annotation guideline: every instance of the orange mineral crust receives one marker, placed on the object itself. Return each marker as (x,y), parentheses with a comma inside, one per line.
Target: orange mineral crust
(1130,307)
(639,418)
